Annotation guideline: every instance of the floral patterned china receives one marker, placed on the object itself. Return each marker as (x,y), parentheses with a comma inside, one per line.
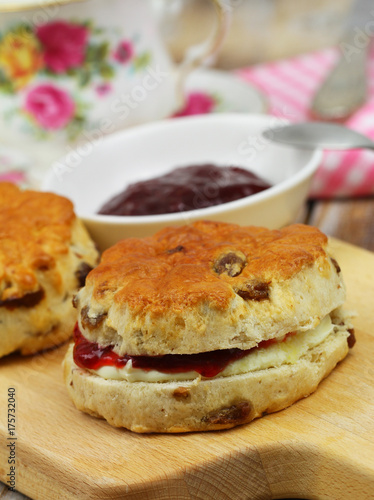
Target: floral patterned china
(74,71)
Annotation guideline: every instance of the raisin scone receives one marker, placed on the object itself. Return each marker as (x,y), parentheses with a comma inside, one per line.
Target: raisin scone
(206,326)
(45,255)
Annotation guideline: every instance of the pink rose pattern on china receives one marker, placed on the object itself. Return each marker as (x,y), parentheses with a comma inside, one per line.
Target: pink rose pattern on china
(64,45)
(34,59)
(51,107)
(124,52)
(103,89)
(197,103)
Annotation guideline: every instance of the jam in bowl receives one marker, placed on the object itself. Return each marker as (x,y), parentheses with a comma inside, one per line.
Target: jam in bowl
(149,151)
(184,189)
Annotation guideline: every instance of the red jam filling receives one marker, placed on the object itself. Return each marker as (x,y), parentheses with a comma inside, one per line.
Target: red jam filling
(209,364)
(184,189)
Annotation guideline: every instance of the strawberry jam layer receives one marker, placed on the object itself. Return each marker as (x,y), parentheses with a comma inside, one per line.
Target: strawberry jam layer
(89,355)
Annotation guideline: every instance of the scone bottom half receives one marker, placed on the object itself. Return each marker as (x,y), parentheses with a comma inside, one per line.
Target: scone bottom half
(206,327)
(45,255)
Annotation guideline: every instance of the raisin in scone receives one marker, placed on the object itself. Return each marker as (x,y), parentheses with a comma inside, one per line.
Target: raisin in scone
(45,255)
(206,326)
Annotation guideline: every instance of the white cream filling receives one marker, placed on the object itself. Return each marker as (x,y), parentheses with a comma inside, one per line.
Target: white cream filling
(288,351)
(131,374)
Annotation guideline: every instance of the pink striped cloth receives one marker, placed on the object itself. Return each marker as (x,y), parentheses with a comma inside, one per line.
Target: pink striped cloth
(289,86)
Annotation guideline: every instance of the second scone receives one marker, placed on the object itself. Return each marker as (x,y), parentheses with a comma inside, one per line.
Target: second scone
(45,255)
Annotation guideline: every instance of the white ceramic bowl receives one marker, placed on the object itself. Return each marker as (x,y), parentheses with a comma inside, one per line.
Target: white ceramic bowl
(92,175)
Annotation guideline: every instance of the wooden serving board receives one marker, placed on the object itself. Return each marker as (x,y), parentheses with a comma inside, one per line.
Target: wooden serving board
(321,448)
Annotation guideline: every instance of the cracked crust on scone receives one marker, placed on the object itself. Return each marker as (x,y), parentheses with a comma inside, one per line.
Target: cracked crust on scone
(209,286)
(45,254)
(203,404)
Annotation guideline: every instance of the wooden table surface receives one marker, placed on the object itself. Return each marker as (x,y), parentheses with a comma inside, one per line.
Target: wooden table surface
(350,220)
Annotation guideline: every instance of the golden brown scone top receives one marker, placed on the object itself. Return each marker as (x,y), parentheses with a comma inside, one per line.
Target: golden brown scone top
(206,262)
(35,229)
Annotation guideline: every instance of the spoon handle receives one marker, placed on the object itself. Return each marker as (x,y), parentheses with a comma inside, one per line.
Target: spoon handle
(320,135)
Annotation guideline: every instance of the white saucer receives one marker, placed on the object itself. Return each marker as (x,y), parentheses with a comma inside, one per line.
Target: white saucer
(232,95)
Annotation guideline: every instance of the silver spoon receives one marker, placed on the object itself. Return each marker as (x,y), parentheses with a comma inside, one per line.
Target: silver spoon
(318,135)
